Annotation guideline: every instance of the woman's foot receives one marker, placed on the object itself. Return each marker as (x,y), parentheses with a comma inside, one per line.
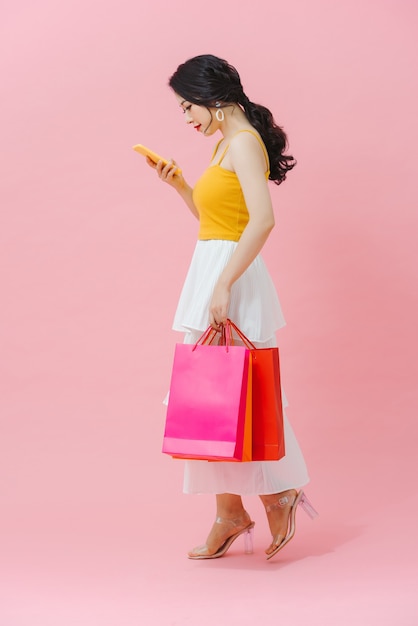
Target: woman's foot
(279,508)
(281,514)
(223,533)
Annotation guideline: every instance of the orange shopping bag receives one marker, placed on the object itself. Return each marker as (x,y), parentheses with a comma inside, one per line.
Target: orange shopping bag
(267,409)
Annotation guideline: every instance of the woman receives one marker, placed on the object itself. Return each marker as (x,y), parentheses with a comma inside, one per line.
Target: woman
(228,278)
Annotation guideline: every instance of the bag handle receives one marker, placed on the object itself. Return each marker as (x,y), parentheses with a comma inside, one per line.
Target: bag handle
(206,338)
(227,336)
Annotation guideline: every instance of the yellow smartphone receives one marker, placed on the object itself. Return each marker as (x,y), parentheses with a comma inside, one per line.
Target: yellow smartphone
(152,155)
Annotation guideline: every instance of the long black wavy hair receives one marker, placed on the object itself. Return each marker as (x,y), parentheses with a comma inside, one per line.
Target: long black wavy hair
(207,79)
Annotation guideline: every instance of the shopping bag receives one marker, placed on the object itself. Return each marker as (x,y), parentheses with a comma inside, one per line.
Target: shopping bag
(267,408)
(208,403)
(247,446)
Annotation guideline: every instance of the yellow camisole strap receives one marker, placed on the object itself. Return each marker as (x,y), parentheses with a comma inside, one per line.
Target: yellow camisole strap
(244,130)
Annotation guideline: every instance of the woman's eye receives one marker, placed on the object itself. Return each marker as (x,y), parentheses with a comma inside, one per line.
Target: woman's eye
(187,108)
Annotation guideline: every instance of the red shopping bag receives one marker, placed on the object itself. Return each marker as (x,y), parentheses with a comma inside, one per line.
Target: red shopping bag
(208,407)
(267,409)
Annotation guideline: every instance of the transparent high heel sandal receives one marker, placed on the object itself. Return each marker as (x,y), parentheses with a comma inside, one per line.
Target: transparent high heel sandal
(244,526)
(299,499)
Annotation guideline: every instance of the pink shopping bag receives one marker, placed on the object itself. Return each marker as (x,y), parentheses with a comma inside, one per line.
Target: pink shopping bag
(208,402)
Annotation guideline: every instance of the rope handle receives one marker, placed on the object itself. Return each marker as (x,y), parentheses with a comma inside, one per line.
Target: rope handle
(226,339)
(227,336)
(206,339)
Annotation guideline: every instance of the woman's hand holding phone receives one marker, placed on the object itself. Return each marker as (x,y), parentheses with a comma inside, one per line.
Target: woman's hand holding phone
(168,172)
(167,169)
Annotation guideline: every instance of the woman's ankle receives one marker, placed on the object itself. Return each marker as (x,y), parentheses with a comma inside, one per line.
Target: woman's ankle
(282,498)
(230,506)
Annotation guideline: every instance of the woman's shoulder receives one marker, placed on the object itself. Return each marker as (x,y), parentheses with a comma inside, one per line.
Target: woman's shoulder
(248,142)
(246,139)
(244,133)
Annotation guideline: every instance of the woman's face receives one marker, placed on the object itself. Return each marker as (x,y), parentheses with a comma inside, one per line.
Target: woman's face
(199,116)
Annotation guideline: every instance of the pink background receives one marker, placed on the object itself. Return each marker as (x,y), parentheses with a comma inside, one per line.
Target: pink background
(93,250)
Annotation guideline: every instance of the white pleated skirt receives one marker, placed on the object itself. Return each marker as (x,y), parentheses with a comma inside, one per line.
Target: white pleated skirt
(256,310)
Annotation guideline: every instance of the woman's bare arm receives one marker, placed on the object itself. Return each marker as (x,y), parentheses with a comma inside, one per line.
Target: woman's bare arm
(249,164)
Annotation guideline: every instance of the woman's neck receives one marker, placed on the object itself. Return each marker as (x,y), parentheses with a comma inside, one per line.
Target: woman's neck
(234,121)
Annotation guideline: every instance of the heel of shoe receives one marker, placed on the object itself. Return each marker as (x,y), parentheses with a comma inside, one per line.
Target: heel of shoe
(248,540)
(307,507)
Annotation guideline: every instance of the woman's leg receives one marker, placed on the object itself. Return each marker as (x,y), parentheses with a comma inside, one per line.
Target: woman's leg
(231,518)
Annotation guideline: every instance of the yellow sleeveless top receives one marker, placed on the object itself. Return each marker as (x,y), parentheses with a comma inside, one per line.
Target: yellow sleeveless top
(219,200)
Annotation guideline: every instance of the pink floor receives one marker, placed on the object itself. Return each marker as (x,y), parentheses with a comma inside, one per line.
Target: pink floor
(86,541)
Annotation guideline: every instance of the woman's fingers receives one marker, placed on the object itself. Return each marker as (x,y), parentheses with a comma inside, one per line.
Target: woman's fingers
(217,318)
(167,171)
(150,162)
(219,306)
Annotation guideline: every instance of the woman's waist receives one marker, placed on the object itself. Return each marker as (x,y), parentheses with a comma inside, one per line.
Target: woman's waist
(219,237)
(221,231)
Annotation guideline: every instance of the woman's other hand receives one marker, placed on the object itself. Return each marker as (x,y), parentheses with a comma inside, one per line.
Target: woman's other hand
(219,306)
